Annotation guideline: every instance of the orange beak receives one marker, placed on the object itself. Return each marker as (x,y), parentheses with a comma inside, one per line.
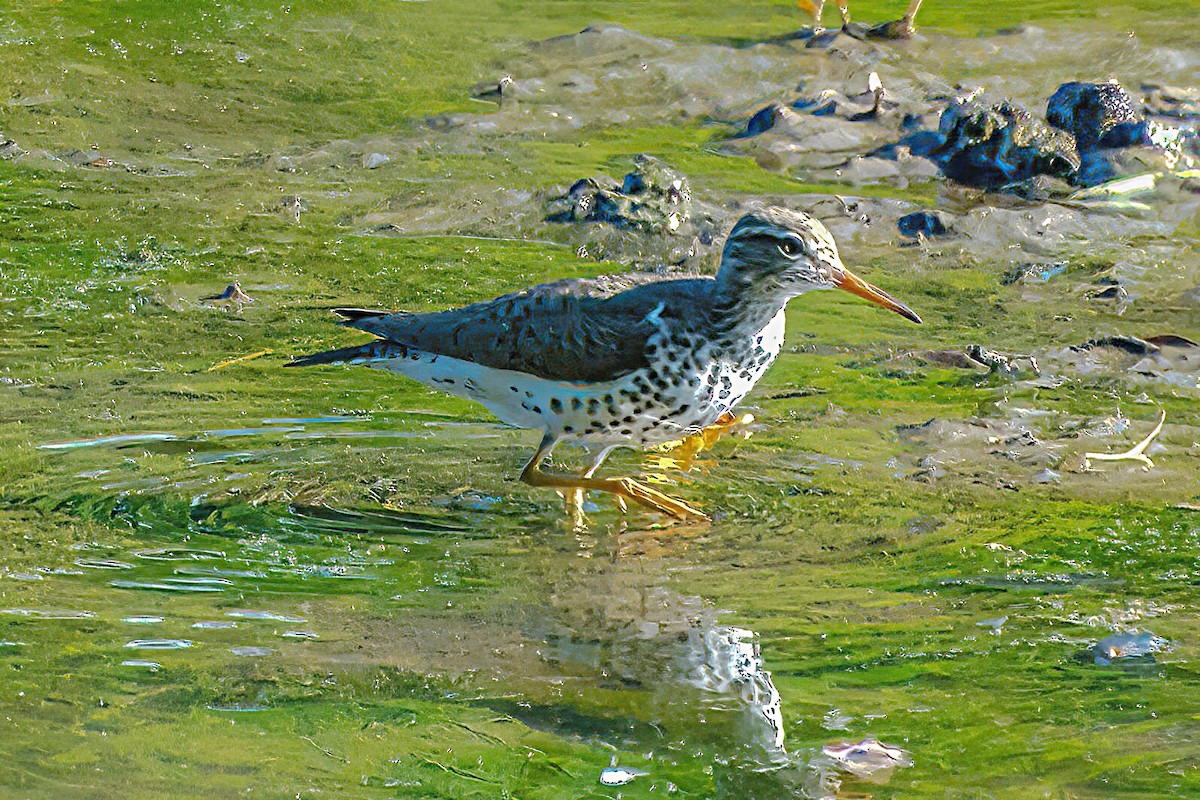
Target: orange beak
(845,279)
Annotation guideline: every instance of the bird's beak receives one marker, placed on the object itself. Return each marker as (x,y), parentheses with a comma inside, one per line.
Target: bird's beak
(845,279)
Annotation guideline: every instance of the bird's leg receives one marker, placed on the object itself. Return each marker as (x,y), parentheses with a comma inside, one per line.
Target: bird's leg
(815,7)
(910,16)
(627,488)
(844,8)
(683,452)
(573,498)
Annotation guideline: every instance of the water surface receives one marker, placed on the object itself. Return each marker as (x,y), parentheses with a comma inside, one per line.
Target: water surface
(221,577)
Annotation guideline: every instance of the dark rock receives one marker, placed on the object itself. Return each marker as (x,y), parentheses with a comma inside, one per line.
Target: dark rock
(763,120)
(926,223)
(995,146)
(1171,340)
(1130,344)
(1094,112)
(918,143)
(1138,646)
(651,198)
(1111,293)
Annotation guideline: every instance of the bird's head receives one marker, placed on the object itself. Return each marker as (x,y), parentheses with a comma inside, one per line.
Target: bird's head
(780,253)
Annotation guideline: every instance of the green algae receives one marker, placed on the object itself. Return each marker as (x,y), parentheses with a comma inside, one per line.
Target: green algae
(467,644)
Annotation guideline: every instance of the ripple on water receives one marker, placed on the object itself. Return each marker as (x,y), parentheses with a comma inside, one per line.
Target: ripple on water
(131,438)
(178,554)
(198,581)
(313,420)
(214,624)
(102,563)
(237,708)
(228,573)
(166,586)
(40,613)
(158,644)
(273,615)
(252,651)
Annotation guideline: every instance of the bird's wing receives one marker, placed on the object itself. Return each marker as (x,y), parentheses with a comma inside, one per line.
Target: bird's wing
(580,330)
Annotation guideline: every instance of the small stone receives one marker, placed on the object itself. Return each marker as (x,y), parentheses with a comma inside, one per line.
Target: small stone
(926,223)
(1047,476)
(1137,645)
(375,160)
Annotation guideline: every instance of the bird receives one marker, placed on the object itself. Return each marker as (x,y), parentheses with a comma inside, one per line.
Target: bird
(632,360)
(902,28)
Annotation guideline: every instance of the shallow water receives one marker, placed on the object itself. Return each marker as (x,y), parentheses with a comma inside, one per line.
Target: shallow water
(219,577)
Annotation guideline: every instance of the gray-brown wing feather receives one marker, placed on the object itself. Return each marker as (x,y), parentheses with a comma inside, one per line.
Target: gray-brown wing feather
(573,330)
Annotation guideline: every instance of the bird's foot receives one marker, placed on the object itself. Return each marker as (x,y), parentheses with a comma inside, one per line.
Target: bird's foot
(681,454)
(573,486)
(652,498)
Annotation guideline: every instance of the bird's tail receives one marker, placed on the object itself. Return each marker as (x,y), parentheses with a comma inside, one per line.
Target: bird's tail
(379,350)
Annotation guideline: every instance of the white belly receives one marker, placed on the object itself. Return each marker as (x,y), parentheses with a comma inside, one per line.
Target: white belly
(648,405)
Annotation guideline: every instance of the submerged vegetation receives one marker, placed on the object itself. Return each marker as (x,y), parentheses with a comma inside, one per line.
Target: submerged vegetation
(219,576)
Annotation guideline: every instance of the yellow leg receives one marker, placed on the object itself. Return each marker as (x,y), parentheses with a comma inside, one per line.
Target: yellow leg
(626,488)
(682,453)
(814,7)
(573,498)
(902,28)
(844,8)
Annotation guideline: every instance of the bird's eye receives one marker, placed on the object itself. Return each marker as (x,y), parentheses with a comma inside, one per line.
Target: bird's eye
(790,248)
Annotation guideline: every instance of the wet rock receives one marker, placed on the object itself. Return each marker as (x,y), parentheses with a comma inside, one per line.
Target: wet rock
(917,143)
(1112,135)
(1047,476)
(952,358)
(763,120)
(859,170)
(1096,114)
(979,358)
(375,160)
(1136,646)
(994,146)
(869,758)
(233,295)
(1130,344)
(1171,340)
(81,158)
(1171,101)
(651,198)
(1113,290)
(926,224)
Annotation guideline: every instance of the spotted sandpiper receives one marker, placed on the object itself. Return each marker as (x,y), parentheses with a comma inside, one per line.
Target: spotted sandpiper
(628,360)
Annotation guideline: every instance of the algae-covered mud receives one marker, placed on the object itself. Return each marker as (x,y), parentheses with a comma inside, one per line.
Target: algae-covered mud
(222,578)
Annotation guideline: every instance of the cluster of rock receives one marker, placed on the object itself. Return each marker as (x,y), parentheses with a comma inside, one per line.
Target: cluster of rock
(1092,133)
(652,198)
